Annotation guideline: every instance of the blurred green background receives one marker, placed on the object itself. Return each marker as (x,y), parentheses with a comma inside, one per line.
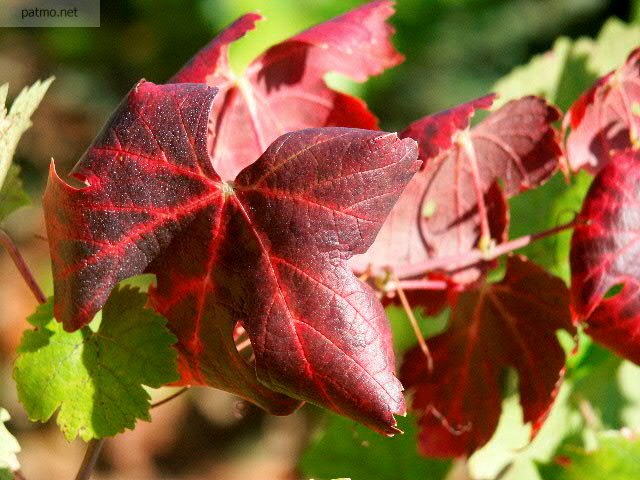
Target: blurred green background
(455,50)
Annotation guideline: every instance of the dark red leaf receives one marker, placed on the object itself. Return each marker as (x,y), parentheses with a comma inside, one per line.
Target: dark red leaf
(605,253)
(283,89)
(603,119)
(268,251)
(510,324)
(454,203)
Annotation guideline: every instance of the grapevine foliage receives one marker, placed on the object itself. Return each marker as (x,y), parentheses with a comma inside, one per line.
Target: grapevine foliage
(95,376)
(13,123)
(259,200)
(608,459)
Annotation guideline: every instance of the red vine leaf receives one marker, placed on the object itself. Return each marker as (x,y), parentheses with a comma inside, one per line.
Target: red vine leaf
(283,89)
(510,324)
(268,251)
(605,118)
(605,253)
(454,204)
(400,240)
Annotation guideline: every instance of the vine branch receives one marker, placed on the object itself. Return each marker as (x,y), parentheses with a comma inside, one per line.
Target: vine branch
(416,328)
(458,262)
(21,265)
(90,459)
(95,446)
(170,397)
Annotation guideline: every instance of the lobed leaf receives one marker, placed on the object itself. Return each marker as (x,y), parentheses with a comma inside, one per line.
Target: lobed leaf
(604,255)
(266,253)
(284,89)
(400,240)
(509,324)
(605,119)
(455,204)
(93,377)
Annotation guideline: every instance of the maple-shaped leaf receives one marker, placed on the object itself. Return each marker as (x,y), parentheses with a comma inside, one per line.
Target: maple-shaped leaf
(509,324)
(605,254)
(267,252)
(94,376)
(454,204)
(606,118)
(283,89)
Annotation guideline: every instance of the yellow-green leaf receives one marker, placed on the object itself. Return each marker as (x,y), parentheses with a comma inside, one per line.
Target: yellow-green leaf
(94,377)
(15,121)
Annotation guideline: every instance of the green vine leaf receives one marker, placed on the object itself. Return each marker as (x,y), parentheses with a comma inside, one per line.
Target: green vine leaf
(9,448)
(561,74)
(12,194)
(15,121)
(94,376)
(615,458)
(344,446)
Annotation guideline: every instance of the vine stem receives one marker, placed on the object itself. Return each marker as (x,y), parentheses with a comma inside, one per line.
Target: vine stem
(7,242)
(420,284)
(21,265)
(90,458)
(416,328)
(95,446)
(458,262)
(170,397)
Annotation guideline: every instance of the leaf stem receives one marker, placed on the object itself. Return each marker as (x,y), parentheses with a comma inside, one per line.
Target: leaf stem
(90,459)
(420,284)
(458,262)
(18,260)
(95,445)
(170,397)
(416,328)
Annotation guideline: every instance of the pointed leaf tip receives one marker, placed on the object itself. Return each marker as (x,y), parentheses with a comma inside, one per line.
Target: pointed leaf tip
(509,324)
(283,89)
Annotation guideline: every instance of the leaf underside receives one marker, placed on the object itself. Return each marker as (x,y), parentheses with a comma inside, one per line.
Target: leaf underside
(283,89)
(455,202)
(605,249)
(15,121)
(605,119)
